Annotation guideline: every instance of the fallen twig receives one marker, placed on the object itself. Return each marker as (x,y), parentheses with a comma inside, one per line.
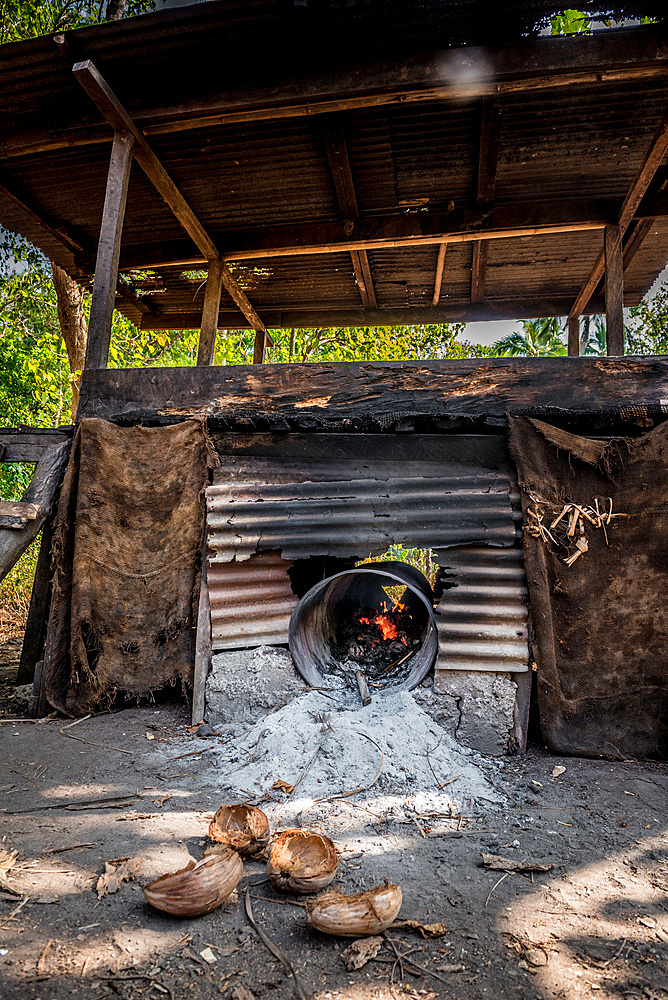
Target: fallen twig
(80,803)
(91,743)
(496,884)
(274,949)
(16,910)
(130,976)
(411,961)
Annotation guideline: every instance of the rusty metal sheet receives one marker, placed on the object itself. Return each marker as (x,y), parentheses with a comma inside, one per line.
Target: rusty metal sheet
(357,516)
(483,615)
(251,602)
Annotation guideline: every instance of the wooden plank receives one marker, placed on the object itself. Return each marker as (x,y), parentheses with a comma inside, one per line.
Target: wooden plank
(108,252)
(329,316)
(17,508)
(393,231)
(614,291)
(574,336)
(42,491)
(635,241)
(36,624)
(26,444)
(438,277)
(478,270)
(202,647)
(329,393)
(653,159)
(103,96)
(209,327)
(452,74)
(334,137)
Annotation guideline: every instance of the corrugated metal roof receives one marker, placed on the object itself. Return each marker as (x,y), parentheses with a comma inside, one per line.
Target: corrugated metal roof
(359,517)
(245,176)
(251,602)
(483,619)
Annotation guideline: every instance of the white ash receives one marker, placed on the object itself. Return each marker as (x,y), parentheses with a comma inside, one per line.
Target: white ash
(244,684)
(343,743)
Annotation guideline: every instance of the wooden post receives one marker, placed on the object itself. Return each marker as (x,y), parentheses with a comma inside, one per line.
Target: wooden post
(614,290)
(438,279)
(209,328)
(108,251)
(574,336)
(202,646)
(259,347)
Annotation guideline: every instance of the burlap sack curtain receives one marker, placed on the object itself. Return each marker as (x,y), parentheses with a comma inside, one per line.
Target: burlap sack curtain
(127,553)
(601,622)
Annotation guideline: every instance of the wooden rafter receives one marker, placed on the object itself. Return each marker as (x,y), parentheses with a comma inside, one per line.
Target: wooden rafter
(488,156)
(400,230)
(653,159)
(339,164)
(116,115)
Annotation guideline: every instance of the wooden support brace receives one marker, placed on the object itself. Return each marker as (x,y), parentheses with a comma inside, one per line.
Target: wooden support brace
(574,336)
(202,646)
(42,491)
(614,291)
(116,115)
(209,328)
(108,252)
(653,159)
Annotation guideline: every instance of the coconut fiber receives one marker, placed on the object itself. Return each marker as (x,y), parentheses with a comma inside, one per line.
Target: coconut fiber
(126,560)
(601,624)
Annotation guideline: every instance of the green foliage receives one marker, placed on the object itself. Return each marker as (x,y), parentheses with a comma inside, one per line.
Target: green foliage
(21,19)
(571,22)
(541,338)
(595,344)
(647,331)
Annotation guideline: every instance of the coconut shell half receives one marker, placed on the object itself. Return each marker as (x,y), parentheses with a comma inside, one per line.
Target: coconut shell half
(301,861)
(361,914)
(198,888)
(244,828)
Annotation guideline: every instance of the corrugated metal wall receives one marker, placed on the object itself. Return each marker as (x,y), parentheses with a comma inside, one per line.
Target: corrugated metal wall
(483,619)
(264,513)
(251,602)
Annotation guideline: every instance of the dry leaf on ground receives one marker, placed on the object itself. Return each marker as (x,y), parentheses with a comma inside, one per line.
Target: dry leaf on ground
(559,769)
(426,930)
(241,993)
(283,786)
(357,954)
(117,871)
(495,862)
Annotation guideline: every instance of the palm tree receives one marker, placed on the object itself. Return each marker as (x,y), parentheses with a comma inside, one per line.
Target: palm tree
(541,338)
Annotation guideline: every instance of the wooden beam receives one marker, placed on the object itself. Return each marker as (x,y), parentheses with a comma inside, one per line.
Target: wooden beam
(574,336)
(438,277)
(202,646)
(103,96)
(342,176)
(614,291)
(478,271)
(27,444)
(210,311)
(488,150)
(35,632)
(654,156)
(390,232)
(42,491)
(472,387)
(488,156)
(631,247)
(324,314)
(108,252)
(54,231)
(452,74)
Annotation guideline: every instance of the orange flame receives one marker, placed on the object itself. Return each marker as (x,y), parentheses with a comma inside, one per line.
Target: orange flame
(387,627)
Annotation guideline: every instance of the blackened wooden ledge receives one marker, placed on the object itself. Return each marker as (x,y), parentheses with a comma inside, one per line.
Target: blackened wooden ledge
(327,394)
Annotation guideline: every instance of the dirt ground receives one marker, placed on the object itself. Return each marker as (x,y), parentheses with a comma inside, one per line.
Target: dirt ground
(595,925)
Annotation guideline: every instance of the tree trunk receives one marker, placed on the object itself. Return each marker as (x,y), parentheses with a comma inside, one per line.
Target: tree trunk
(116,9)
(72,325)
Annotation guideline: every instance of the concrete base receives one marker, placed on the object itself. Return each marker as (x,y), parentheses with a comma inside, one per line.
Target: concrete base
(477,708)
(244,684)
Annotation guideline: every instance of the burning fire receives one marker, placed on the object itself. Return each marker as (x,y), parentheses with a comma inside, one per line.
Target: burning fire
(388,628)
